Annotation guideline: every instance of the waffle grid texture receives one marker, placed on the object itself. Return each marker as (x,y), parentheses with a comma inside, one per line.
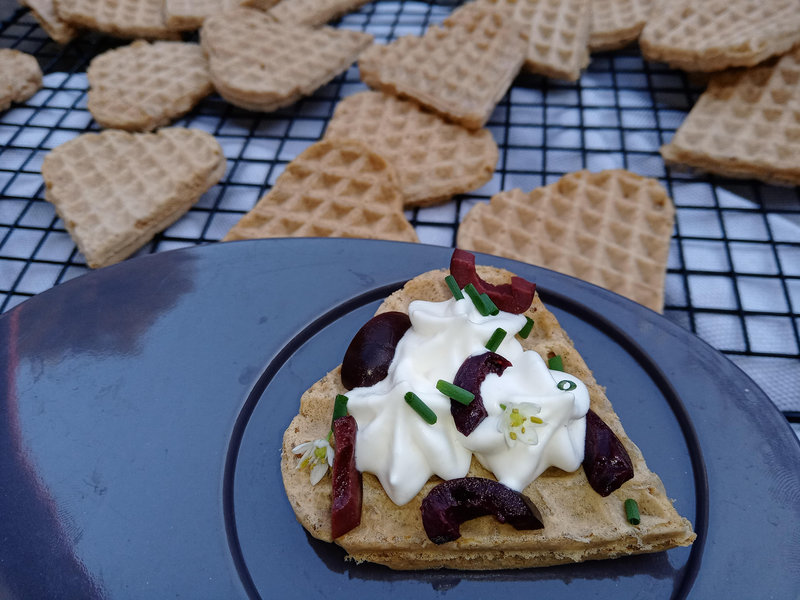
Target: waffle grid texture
(746,124)
(461,70)
(434,159)
(260,65)
(335,188)
(716,34)
(115,190)
(611,228)
(143,86)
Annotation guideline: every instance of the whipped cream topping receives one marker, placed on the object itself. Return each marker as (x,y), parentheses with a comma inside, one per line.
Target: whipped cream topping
(531,423)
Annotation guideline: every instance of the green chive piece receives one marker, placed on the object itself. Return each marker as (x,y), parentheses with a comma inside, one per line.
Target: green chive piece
(526,330)
(494,341)
(489,306)
(566,385)
(451,283)
(339,407)
(555,363)
(454,392)
(422,409)
(632,511)
(473,294)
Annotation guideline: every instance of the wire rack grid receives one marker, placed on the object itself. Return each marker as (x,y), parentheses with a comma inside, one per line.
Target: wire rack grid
(734,267)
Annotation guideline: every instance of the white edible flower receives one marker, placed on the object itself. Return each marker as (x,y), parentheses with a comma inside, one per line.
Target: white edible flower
(518,423)
(317,455)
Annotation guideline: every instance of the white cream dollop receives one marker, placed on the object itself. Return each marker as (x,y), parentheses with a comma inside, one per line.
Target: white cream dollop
(403,451)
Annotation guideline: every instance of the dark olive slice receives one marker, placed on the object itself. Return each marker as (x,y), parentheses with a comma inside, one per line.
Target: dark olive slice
(367,359)
(346,493)
(456,501)
(605,460)
(514,297)
(470,376)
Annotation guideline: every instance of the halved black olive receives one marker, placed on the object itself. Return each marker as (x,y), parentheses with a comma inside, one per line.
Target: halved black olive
(367,359)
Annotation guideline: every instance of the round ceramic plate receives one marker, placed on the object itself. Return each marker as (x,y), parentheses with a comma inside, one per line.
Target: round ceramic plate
(144,407)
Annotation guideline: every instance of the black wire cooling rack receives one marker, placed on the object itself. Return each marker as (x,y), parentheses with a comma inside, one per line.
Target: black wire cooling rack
(734,268)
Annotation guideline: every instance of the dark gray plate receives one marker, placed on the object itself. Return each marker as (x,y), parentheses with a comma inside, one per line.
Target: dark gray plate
(145,403)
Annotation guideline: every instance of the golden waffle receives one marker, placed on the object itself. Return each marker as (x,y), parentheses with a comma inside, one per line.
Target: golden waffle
(120,18)
(20,77)
(44,11)
(312,12)
(335,188)
(433,159)
(260,65)
(617,23)
(716,34)
(460,70)
(558,33)
(579,523)
(611,228)
(188,15)
(746,124)
(143,86)
(115,190)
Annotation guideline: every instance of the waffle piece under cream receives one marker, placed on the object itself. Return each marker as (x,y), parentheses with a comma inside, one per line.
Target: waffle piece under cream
(120,18)
(611,228)
(460,70)
(434,159)
(20,77)
(617,23)
(115,190)
(335,188)
(716,34)
(188,15)
(261,65)
(746,124)
(312,12)
(558,32)
(44,11)
(579,524)
(143,86)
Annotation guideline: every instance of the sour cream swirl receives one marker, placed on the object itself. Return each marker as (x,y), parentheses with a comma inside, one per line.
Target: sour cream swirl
(403,451)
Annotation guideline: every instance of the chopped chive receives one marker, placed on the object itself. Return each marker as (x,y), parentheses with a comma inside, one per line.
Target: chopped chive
(555,363)
(489,306)
(453,285)
(494,341)
(632,511)
(454,392)
(473,294)
(566,385)
(503,407)
(339,406)
(526,330)
(422,409)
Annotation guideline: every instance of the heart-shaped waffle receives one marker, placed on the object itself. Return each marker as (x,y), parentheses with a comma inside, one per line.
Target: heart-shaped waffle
(461,70)
(746,124)
(611,228)
(115,190)
(716,34)
(335,188)
(20,77)
(434,159)
(557,30)
(143,86)
(261,65)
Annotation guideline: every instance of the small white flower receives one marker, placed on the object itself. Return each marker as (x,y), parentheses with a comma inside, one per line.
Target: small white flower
(316,455)
(518,423)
